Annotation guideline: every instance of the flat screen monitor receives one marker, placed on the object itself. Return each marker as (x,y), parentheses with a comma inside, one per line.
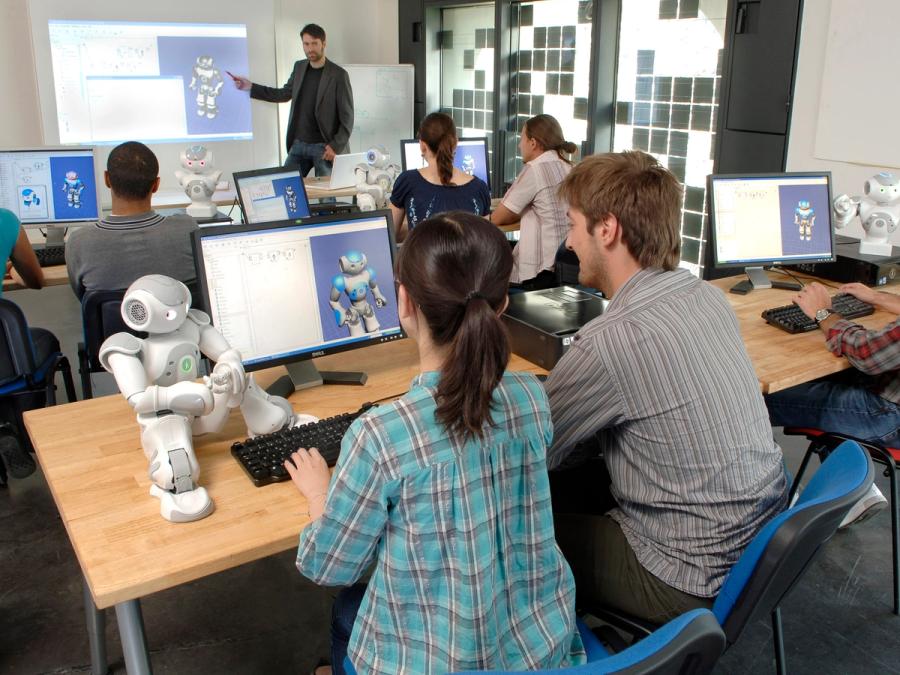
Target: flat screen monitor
(271,195)
(471,157)
(157,82)
(46,187)
(280,293)
(759,220)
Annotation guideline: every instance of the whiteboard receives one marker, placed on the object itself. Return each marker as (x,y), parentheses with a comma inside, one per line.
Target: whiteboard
(859,97)
(382,106)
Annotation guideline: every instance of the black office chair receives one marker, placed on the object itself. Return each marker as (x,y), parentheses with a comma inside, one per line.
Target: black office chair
(29,361)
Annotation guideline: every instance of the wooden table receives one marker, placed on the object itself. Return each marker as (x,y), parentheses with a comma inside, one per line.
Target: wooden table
(781,359)
(92,460)
(57,275)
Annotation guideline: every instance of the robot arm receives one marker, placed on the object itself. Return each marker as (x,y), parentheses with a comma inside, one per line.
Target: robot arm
(380,300)
(228,376)
(845,210)
(342,314)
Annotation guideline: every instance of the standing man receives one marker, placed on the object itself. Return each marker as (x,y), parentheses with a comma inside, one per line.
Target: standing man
(321,99)
(662,383)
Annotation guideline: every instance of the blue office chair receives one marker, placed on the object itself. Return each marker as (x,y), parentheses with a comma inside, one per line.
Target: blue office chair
(690,643)
(29,361)
(782,550)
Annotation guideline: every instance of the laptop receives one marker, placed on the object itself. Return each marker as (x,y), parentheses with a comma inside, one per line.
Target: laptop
(343,172)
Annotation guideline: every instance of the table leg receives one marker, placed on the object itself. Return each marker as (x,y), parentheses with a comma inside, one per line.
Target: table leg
(96,627)
(134,643)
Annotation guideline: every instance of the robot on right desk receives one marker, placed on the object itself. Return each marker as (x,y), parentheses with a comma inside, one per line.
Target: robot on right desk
(878,210)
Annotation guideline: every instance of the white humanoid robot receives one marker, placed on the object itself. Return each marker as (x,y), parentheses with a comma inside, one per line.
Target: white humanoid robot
(878,210)
(804,219)
(157,376)
(375,179)
(356,280)
(208,82)
(73,187)
(198,180)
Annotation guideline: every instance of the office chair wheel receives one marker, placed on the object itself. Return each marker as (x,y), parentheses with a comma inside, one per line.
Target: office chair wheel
(19,463)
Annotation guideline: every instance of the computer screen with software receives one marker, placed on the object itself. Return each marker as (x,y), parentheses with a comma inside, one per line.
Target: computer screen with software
(471,157)
(45,186)
(766,219)
(284,293)
(270,195)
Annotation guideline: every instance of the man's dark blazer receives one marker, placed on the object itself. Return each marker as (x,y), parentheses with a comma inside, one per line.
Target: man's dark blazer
(334,103)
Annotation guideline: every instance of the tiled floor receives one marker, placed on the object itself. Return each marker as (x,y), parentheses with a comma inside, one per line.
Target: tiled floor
(265,618)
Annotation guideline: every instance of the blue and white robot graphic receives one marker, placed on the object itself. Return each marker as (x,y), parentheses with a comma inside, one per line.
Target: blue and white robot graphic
(73,188)
(356,280)
(805,218)
(207,82)
(291,195)
(30,198)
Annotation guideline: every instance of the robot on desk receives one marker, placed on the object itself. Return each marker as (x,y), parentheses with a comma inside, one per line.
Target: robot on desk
(375,179)
(73,187)
(198,179)
(356,280)
(878,210)
(157,376)
(805,218)
(207,81)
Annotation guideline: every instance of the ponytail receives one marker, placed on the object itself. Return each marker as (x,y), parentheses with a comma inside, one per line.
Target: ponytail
(456,268)
(546,131)
(438,132)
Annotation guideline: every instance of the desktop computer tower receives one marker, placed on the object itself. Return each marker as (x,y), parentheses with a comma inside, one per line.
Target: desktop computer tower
(851,265)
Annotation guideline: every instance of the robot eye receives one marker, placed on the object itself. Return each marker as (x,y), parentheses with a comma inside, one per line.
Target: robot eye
(171,315)
(202,162)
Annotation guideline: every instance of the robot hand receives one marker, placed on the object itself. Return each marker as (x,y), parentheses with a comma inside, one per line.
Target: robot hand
(186,398)
(193,85)
(350,316)
(228,376)
(844,206)
(380,302)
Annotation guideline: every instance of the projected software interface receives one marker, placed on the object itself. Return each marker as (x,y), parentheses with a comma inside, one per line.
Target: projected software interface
(471,157)
(269,197)
(48,186)
(120,80)
(772,218)
(281,292)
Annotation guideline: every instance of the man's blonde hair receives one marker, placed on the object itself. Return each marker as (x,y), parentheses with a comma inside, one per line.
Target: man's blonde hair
(641,193)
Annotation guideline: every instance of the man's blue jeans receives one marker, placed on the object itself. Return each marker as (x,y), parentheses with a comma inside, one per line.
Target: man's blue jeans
(307,156)
(842,405)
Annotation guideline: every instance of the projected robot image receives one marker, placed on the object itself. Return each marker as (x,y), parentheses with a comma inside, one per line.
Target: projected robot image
(351,270)
(207,82)
(805,218)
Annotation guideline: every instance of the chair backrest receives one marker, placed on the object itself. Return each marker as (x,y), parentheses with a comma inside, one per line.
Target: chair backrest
(100,318)
(16,349)
(566,265)
(780,552)
(688,645)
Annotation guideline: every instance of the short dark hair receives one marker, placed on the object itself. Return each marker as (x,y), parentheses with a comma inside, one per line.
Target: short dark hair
(132,168)
(314,30)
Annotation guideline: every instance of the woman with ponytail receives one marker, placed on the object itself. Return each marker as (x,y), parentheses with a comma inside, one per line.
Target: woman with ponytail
(533,199)
(445,490)
(419,194)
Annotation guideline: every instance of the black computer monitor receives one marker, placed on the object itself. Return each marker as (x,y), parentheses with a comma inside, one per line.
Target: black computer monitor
(271,195)
(49,187)
(278,294)
(759,220)
(471,157)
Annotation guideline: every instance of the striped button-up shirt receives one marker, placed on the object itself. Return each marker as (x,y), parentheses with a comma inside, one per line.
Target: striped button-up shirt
(874,352)
(467,572)
(663,379)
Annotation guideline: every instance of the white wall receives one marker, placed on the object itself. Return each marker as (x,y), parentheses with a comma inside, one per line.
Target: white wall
(847,177)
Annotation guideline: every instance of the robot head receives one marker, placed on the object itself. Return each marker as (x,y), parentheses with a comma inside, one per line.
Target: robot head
(156,304)
(28,195)
(197,158)
(289,190)
(378,157)
(205,61)
(71,175)
(883,188)
(803,204)
(353,262)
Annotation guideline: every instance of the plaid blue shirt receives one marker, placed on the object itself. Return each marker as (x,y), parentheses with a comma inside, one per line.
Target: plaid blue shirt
(467,573)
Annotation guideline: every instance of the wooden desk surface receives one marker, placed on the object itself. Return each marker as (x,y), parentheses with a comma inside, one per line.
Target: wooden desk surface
(781,359)
(53,276)
(92,460)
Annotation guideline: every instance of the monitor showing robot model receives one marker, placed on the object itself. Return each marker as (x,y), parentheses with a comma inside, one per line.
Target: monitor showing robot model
(270,195)
(766,219)
(471,157)
(283,293)
(49,186)
(158,82)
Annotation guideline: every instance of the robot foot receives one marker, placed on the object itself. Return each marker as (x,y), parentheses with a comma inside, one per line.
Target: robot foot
(200,112)
(184,507)
(211,114)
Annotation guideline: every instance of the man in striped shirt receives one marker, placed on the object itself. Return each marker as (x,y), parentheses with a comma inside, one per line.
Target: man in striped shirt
(661,385)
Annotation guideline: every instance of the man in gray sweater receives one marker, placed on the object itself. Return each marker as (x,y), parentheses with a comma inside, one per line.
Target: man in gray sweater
(133,240)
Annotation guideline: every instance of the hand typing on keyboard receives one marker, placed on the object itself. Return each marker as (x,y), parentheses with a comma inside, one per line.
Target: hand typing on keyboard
(311,476)
(812,298)
(813,307)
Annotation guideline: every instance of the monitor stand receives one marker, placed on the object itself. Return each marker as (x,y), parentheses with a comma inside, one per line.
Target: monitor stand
(55,236)
(304,374)
(757,278)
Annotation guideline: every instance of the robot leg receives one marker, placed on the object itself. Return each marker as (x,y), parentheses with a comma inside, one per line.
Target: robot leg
(369,319)
(174,469)
(201,102)
(70,197)
(264,413)
(211,109)
(355,326)
(77,200)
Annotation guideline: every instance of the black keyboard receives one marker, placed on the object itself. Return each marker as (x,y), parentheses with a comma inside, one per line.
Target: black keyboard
(49,256)
(263,457)
(791,318)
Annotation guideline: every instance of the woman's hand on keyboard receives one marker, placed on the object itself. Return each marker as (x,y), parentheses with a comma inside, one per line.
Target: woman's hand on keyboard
(310,474)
